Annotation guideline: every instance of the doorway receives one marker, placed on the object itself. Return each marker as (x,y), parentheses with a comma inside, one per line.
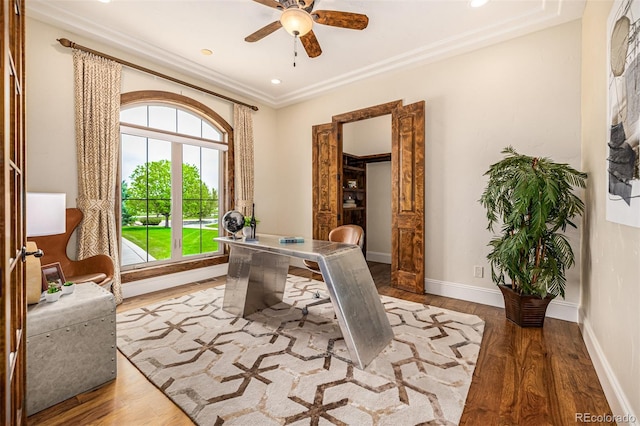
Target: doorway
(407,185)
(367,143)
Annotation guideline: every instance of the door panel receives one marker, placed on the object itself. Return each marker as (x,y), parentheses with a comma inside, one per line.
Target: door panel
(12,225)
(407,186)
(325,169)
(407,198)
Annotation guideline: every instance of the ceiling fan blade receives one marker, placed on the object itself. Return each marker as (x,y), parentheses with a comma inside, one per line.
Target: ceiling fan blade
(311,45)
(263,32)
(270,3)
(353,21)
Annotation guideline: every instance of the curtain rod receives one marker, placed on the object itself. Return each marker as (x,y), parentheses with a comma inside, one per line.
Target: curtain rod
(68,43)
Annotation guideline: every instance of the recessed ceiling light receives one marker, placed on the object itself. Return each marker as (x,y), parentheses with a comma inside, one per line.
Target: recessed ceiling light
(206,52)
(104,1)
(276,81)
(478,3)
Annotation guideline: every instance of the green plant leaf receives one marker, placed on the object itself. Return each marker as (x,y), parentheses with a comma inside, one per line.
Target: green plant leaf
(532,200)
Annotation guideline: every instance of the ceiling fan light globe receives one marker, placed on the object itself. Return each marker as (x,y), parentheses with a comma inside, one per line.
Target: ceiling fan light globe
(296,21)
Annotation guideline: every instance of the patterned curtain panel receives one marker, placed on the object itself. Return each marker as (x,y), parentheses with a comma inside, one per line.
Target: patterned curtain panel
(97,100)
(243,162)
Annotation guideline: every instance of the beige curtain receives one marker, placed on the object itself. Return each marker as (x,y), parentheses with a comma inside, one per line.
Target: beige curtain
(243,161)
(97,100)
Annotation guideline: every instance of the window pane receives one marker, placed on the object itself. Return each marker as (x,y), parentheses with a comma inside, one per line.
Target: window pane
(189,124)
(134,154)
(210,132)
(134,200)
(210,171)
(159,198)
(199,209)
(162,118)
(146,193)
(136,115)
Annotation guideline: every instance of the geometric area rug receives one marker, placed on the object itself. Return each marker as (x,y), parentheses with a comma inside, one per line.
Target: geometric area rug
(280,367)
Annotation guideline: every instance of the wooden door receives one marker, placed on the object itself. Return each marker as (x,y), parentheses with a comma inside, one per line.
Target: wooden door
(12,226)
(407,185)
(407,197)
(327,169)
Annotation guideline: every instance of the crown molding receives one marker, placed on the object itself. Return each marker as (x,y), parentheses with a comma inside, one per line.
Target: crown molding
(549,13)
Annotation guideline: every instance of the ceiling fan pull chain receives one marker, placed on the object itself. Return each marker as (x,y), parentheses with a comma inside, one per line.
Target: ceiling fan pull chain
(295,47)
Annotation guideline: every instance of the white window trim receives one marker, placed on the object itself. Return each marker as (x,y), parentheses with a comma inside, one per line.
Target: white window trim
(147,132)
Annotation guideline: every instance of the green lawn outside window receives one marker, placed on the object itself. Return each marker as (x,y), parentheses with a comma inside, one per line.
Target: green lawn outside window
(160,240)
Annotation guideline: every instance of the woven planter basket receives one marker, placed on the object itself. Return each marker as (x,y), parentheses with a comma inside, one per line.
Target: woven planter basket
(525,311)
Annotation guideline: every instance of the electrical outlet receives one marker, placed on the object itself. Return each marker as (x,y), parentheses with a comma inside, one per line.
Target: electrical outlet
(478,271)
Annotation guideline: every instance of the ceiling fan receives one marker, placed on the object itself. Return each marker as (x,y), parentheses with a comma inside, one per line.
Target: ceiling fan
(298,17)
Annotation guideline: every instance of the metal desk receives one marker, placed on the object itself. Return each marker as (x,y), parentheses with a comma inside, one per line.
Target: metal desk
(258,273)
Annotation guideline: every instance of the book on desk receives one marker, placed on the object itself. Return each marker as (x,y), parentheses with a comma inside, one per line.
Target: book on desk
(290,240)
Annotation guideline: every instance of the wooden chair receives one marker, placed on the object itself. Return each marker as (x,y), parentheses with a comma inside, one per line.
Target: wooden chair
(349,234)
(98,269)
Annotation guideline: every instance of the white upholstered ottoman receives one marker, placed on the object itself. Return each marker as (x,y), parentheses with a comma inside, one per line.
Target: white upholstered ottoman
(71,346)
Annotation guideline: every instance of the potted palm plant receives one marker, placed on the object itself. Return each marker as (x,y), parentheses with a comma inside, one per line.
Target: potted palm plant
(533,200)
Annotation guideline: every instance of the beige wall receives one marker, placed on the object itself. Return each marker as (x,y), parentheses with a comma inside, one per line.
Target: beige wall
(366,137)
(524,92)
(378,238)
(611,252)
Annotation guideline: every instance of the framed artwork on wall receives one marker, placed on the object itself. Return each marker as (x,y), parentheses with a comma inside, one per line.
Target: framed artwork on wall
(623,70)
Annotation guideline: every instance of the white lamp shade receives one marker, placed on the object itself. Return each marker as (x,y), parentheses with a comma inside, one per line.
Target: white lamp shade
(296,21)
(46,214)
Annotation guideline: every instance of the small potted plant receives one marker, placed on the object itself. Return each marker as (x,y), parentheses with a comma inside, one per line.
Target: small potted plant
(53,292)
(248,229)
(68,287)
(533,201)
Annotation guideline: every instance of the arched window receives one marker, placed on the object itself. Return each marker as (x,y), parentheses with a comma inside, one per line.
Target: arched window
(175,158)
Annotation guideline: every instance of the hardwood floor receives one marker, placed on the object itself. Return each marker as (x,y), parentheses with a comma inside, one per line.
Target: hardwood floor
(523,376)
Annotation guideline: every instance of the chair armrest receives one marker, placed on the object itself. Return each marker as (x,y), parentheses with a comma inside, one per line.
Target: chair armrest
(98,263)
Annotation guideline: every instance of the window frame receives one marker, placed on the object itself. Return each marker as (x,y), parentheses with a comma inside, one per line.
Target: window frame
(225,201)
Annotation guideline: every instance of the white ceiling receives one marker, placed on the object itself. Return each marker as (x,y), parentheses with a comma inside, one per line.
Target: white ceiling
(401,33)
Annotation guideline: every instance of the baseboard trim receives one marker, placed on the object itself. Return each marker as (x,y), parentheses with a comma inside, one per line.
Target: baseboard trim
(559,309)
(374,256)
(620,406)
(149,285)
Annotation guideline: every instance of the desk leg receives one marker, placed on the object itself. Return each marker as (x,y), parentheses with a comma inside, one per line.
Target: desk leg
(361,316)
(255,280)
